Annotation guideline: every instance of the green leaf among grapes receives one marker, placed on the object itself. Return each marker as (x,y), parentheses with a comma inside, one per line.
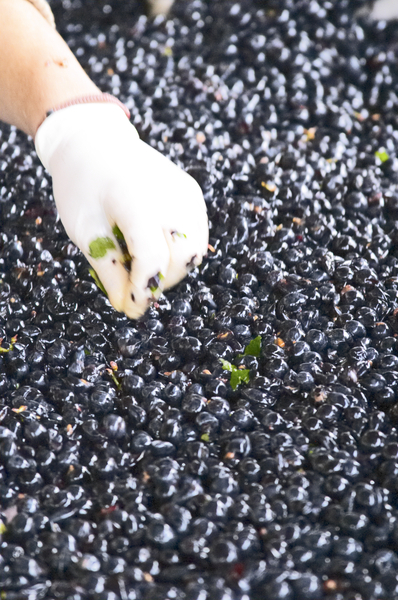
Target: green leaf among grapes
(382,154)
(10,347)
(226,365)
(238,376)
(254,347)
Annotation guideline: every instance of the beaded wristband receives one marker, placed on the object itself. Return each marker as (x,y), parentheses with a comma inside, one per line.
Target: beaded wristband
(93,98)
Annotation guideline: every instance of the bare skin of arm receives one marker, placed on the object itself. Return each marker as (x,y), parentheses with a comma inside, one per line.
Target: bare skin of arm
(38,71)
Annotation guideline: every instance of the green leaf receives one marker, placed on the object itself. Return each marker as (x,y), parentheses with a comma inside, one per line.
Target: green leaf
(382,155)
(4,350)
(99,247)
(227,365)
(238,376)
(117,233)
(254,347)
(205,437)
(97,280)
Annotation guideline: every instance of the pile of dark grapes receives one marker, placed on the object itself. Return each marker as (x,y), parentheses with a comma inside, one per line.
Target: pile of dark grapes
(130,469)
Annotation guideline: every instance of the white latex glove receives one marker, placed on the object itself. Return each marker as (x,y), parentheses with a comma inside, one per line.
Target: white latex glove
(384,10)
(159,7)
(105,176)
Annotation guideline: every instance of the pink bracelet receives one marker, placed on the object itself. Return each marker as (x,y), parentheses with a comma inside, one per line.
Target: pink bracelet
(93,98)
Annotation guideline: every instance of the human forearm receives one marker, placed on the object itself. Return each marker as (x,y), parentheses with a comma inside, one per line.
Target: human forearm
(37,69)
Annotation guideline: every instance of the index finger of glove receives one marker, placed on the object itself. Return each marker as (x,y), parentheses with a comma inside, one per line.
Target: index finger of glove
(96,240)
(149,259)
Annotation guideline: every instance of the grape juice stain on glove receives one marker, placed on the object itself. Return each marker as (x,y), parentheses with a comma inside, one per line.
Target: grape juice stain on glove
(139,219)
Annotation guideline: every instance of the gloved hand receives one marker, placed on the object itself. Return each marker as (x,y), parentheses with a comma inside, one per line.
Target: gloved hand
(108,182)
(379,10)
(384,10)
